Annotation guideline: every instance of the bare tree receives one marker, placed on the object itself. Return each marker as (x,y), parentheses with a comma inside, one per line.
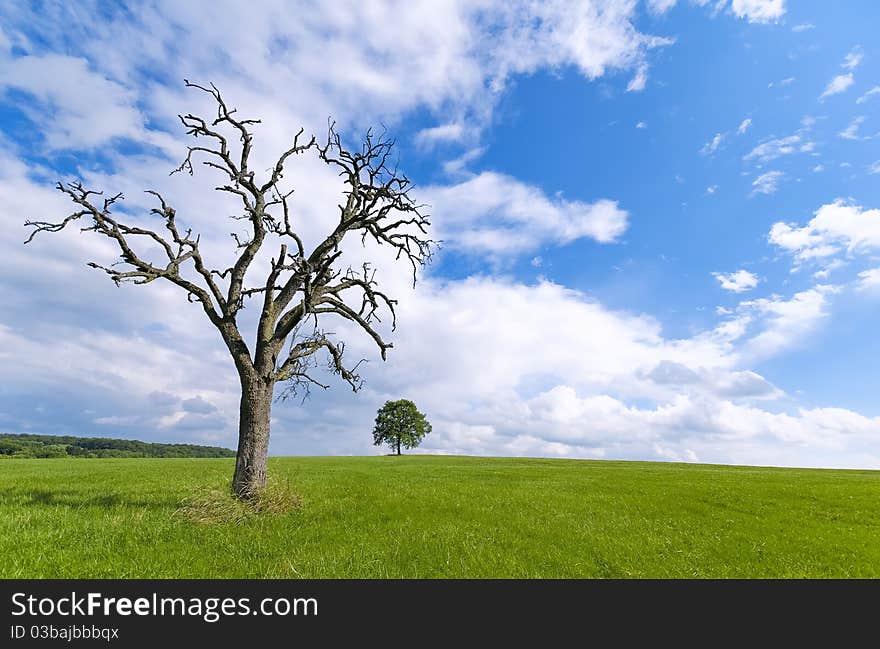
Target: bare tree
(302,288)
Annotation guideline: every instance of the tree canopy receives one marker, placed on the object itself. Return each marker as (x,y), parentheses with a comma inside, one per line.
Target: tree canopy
(399,423)
(33,446)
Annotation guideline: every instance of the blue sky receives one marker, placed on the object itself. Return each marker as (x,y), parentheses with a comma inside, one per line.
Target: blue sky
(661,221)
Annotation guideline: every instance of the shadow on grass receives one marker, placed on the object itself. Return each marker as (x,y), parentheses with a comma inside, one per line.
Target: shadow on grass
(25,497)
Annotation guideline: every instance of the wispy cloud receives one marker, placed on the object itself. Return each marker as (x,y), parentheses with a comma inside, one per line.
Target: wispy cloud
(767,183)
(712,145)
(869,279)
(640,80)
(428,137)
(851,132)
(837,85)
(852,60)
(776,148)
(873,91)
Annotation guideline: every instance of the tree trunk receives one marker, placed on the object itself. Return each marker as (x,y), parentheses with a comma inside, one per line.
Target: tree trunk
(253,437)
(398,446)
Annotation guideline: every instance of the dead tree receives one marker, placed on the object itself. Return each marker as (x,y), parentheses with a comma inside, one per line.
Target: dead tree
(303,287)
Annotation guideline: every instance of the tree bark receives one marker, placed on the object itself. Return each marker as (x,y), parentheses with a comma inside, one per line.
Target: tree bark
(253,437)
(398,446)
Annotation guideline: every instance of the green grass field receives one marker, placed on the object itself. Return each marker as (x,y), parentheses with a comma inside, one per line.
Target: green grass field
(423,516)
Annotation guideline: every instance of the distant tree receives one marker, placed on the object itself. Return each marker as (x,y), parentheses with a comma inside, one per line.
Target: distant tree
(399,423)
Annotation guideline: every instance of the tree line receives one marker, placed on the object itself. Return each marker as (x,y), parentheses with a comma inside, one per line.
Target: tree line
(48,446)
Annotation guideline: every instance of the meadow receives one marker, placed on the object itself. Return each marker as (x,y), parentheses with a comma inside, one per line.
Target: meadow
(440,516)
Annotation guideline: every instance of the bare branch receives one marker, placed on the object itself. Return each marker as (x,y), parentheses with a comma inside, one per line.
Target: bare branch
(302,285)
(302,360)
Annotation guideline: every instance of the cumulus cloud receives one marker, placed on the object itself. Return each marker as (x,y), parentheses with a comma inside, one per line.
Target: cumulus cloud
(500,366)
(836,227)
(498,214)
(737,282)
(759,11)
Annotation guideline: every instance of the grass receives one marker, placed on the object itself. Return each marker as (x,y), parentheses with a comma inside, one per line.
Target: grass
(424,516)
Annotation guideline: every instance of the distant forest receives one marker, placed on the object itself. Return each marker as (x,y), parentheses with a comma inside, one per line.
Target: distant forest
(33,446)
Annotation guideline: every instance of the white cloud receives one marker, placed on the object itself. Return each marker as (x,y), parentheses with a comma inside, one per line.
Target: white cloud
(786,321)
(756,11)
(829,267)
(661,6)
(349,60)
(759,11)
(638,82)
(711,189)
(428,137)
(851,132)
(869,279)
(76,106)
(818,168)
(776,148)
(641,125)
(457,166)
(874,168)
(512,371)
(836,227)
(744,126)
(802,27)
(837,85)
(712,145)
(495,213)
(873,91)
(785,82)
(737,282)
(767,183)
(852,60)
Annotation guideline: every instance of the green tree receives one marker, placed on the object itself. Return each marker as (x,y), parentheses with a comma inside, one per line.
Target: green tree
(399,423)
